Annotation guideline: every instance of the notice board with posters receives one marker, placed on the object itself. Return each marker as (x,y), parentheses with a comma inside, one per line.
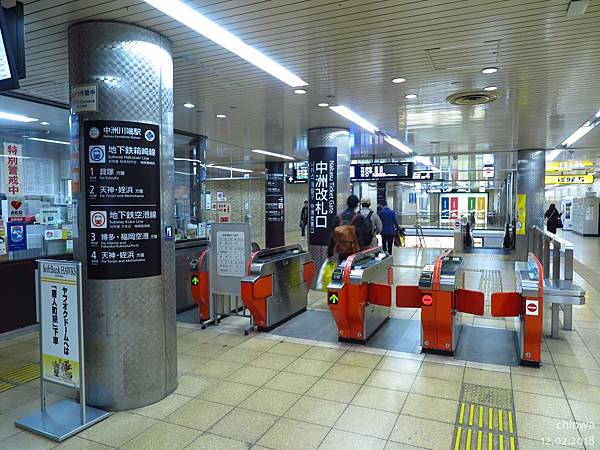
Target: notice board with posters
(322,193)
(122,172)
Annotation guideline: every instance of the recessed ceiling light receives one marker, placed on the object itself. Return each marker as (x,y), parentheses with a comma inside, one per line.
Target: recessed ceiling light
(221,116)
(323,105)
(490,88)
(189,105)
(409,96)
(299,91)
(489,70)
(190,17)
(398,80)
(44,123)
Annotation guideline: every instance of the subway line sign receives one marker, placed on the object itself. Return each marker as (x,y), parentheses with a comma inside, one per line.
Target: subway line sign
(569,179)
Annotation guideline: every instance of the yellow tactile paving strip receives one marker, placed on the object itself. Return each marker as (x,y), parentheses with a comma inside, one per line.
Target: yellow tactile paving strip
(22,375)
(485,419)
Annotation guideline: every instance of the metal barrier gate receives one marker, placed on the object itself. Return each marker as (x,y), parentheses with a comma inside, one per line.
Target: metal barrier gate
(276,287)
(359,296)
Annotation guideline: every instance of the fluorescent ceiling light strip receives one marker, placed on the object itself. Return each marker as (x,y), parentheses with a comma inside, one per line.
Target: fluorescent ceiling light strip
(553,154)
(353,117)
(399,145)
(426,161)
(577,134)
(206,27)
(276,155)
(232,169)
(50,141)
(188,159)
(16,117)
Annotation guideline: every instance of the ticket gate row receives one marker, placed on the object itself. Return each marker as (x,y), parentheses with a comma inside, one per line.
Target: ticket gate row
(274,290)
(359,296)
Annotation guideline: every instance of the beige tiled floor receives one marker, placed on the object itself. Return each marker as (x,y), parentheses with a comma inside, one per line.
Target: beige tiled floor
(265,392)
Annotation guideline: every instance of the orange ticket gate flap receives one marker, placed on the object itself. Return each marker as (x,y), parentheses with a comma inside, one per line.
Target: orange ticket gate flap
(440,295)
(200,284)
(276,287)
(359,296)
(527,304)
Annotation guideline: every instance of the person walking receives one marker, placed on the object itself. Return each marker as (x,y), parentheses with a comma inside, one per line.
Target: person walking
(553,220)
(389,227)
(304,218)
(349,232)
(372,219)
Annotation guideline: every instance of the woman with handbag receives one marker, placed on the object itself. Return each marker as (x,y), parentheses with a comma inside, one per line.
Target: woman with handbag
(553,220)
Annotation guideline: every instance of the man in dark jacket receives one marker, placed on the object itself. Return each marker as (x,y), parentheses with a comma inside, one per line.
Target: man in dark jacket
(304,218)
(390,227)
(360,225)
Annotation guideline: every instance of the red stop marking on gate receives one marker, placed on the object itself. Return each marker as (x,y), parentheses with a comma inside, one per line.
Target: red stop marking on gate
(427,300)
(532,307)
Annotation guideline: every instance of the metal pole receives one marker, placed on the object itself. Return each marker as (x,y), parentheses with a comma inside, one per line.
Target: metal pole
(556,260)
(38,283)
(82,399)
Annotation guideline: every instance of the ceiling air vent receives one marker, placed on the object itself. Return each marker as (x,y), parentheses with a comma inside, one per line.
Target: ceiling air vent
(471,98)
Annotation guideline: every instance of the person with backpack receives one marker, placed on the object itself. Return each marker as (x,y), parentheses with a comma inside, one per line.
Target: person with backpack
(389,229)
(553,220)
(350,232)
(372,219)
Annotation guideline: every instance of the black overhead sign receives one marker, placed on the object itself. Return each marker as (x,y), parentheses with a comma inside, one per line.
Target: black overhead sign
(122,171)
(395,171)
(297,173)
(274,205)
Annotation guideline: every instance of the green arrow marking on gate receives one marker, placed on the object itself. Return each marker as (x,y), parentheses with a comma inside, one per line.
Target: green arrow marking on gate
(333,299)
(195,281)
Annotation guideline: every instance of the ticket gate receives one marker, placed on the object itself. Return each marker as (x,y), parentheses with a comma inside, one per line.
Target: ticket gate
(359,296)
(441,295)
(200,284)
(276,287)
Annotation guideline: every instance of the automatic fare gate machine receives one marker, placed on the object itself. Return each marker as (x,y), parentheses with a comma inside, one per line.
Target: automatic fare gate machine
(440,295)
(276,287)
(360,294)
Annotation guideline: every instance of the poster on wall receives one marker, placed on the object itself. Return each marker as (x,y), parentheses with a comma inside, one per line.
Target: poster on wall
(322,193)
(122,172)
(59,317)
(13,169)
(521,213)
(456,205)
(17,236)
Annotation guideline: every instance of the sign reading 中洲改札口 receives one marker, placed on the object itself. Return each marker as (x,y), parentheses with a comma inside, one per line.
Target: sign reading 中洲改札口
(59,317)
(322,193)
(122,173)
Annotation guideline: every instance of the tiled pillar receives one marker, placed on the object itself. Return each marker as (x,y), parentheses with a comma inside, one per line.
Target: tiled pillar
(129,305)
(329,145)
(531,167)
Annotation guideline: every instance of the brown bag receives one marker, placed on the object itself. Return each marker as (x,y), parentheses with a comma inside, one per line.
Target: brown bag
(344,236)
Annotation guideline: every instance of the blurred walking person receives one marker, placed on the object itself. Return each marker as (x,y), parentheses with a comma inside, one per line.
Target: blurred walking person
(389,227)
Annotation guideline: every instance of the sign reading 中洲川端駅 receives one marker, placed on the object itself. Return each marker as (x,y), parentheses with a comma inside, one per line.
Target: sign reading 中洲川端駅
(122,174)
(569,179)
(59,318)
(322,193)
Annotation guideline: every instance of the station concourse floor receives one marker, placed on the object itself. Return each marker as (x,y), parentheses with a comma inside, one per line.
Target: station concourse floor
(266,391)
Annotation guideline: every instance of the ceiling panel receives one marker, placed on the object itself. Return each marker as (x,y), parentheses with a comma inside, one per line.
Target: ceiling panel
(348,51)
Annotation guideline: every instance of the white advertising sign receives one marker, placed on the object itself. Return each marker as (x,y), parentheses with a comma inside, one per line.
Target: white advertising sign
(84,98)
(53,235)
(59,319)
(231,254)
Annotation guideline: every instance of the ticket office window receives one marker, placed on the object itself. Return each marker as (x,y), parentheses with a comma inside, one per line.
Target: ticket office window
(37,212)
